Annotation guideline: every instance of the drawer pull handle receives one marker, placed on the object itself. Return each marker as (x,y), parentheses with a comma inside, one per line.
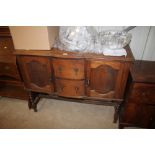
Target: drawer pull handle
(76,90)
(5,47)
(87,82)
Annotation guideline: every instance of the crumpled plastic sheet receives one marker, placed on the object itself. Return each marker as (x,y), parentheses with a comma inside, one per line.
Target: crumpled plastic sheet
(88,39)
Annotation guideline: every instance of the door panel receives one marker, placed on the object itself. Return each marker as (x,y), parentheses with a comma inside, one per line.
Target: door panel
(104,79)
(36,73)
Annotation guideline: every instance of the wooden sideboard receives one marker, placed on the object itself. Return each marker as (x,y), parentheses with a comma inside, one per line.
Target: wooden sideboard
(75,76)
(11,84)
(139,105)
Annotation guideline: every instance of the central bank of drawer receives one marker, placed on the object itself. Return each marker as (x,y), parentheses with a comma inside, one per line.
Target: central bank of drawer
(68,68)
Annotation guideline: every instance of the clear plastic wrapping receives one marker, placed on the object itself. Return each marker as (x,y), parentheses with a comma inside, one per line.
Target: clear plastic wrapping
(88,39)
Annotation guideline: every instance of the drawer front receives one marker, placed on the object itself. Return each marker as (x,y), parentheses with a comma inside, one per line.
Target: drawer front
(6,44)
(8,69)
(70,88)
(139,115)
(69,69)
(143,93)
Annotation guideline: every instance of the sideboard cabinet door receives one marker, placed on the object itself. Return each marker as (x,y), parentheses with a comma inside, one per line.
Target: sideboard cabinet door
(36,73)
(104,79)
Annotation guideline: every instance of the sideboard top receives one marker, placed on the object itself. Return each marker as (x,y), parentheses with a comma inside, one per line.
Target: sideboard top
(143,71)
(54,52)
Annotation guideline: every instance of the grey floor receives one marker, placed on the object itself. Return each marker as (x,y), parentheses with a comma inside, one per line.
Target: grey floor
(55,114)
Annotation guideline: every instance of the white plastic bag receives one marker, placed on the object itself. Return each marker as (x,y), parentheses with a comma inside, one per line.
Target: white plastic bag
(89,39)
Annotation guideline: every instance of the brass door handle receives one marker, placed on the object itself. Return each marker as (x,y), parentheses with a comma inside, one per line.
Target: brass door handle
(87,82)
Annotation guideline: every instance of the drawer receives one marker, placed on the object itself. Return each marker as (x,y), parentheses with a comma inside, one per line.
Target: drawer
(143,93)
(70,88)
(9,69)
(69,69)
(139,115)
(6,43)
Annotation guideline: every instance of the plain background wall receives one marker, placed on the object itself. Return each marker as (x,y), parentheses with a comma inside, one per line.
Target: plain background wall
(33,37)
(142,43)
(52,34)
(42,38)
(149,53)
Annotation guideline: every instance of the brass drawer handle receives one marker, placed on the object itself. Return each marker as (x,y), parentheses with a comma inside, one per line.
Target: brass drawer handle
(87,82)
(5,47)
(76,90)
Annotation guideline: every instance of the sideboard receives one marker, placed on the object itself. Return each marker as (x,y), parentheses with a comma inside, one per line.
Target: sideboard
(11,84)
(139,104)
(74,76)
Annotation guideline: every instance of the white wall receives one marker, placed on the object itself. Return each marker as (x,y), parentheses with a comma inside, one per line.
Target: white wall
(142,43)
(139,40)
(33,37)
(149,53)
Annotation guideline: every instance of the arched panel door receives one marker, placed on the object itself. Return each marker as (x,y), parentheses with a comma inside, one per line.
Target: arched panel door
(104,79)
(36,73)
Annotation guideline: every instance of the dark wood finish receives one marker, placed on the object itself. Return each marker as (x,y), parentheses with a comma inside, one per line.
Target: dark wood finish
(69,77)
(33,100)
(68,68)
(10,70)
(70,88)
(36,73)
(84,77)
(4,31)
(65,54)
(139,106)
(11,84)
(143,71)
(13,89)
(33,52)
(143,93)
(6,43)
(104,78)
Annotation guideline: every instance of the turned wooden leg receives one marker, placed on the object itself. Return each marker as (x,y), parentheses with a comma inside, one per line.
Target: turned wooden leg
(33,100)
(37,98)
(116,115)
(30,101)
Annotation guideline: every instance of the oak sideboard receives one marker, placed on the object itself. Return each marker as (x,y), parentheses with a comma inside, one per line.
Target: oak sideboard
(74,76)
